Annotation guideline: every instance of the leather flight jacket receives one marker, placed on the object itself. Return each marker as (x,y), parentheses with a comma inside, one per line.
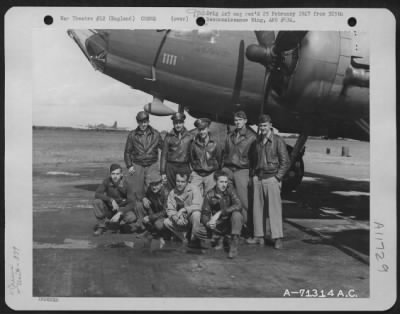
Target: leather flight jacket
(175,149)
(205,158)
(158,203)
(215,200)
(237,147)
(270,158)
(142,147)
(108,191)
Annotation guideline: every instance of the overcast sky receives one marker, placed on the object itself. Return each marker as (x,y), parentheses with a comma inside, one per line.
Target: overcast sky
(67,91)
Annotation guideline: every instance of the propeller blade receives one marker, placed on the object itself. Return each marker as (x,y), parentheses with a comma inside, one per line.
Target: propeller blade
(265,38)
(266,90)
(285,40)
(288,40)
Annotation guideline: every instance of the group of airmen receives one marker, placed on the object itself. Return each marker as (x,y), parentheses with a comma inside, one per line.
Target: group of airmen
(198,192)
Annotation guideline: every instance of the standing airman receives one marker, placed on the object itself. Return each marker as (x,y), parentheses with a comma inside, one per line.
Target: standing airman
(175,152)
(205,157)
(236,158)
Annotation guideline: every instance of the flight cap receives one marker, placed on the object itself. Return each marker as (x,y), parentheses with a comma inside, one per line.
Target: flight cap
(178,116)
(202,123)
(240,114)
(154,178)
(142,115)
(264,118)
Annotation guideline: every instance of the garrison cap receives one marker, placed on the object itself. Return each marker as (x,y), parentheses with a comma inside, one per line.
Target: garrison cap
(155,178)
(142,115)
(178,116)
(264,118)
(202,123)
(240,114)
(114,167)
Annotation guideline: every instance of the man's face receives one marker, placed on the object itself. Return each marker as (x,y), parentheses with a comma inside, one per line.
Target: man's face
(239,122)
(265,127)
(143,125)
(222,183)
(116,175)
(178,126)
(203,133)
(181,182)
(156,187)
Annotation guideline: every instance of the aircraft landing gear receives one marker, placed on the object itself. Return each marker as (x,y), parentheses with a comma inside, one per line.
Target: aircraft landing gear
(295,173)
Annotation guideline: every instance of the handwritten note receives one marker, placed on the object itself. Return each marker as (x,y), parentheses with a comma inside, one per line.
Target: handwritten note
(14,287)
(380,246)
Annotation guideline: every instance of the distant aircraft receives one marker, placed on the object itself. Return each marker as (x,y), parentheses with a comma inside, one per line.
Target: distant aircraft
(314,83)
(102,126)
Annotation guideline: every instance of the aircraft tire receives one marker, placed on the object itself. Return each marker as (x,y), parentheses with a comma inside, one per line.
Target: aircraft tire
(295,174)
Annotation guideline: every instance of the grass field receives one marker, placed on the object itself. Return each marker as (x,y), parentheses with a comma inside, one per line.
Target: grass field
(64,148)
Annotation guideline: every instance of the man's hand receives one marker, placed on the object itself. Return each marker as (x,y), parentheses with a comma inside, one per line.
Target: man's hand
(181,211)
(146,219)
(131,170)
(116,217)
(216,216)
(164,178)
(211,224)
(146,203)
(114,205)
(174,218)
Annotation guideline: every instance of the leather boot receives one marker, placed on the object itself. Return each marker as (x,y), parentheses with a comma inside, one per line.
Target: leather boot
(233,249)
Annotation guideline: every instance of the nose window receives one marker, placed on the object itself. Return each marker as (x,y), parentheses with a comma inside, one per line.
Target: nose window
(96,48)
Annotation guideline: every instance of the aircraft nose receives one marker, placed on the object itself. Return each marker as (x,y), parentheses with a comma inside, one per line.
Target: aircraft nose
(93,44)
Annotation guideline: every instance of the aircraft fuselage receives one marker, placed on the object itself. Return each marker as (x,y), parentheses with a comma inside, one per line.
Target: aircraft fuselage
(325,80)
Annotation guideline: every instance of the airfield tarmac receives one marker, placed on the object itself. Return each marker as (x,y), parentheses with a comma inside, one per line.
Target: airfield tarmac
(326,227)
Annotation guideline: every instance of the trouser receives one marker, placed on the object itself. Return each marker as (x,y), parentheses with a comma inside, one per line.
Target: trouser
(172,168)
(227,225)
(139,180)
(102,212)
(267,211)
(205,183)
(139,212)
(179,230)
(156,227)
(240,179)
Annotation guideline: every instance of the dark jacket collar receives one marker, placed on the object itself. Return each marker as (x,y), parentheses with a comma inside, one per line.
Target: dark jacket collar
(115,184)
(148,130)
(217,191)
(270,136)
(242,132)
(199,141)
(184,132)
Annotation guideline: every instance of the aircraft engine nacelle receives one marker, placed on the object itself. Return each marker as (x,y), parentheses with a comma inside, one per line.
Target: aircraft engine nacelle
(158,108)
(331,75)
